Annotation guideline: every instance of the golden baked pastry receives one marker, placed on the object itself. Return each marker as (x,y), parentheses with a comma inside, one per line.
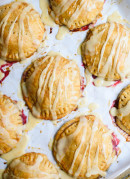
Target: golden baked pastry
(19,37)
(11,124)
(123,116)
(84,147)
(76,14)
(31,165)
(51,87)
(106,51)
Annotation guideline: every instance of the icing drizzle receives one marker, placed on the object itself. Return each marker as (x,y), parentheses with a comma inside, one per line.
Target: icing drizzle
(92,166)
(21,29)
(64,5)
(113,63)
(48,79)
(33,169)
(7,124)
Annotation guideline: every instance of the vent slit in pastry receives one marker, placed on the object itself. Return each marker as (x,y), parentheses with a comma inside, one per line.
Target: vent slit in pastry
(22,30)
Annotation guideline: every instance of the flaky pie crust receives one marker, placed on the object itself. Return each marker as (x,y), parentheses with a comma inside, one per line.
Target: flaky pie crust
(11,124)
(105,51)
(19,36)
(123,99)
(76,14)
(77,145)
(51,87)
(31,165)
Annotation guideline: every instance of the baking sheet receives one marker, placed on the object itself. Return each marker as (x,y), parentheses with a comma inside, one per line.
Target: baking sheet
(44,132)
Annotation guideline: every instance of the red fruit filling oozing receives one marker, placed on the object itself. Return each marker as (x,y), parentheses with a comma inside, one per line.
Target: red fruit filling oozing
(86,27)
(5,70)
(24,117)
(82,85)
(113,85)
(115,142)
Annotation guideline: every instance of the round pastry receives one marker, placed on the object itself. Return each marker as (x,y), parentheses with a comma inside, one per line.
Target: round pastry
(31,165)
(106,51)
(84,147)
(123,116)
(51,87)
(11,124)
(76,14)
(19,37)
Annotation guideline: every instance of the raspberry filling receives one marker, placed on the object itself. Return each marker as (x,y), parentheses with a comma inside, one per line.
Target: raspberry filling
(24,117)
(86,27)
(115,142)
(113,85)
(94,77)
(82,64)
(114,104)
(82,85)
(5,70)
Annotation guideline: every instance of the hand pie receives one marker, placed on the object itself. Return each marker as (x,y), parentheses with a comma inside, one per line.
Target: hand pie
(106,51)
(76,14)
(123,111)
(19,37)
(84,147)
(51,87)
(11,124)
(31,165)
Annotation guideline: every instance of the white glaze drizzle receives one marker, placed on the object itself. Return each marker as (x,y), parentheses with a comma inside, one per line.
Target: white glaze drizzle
(63,6)
(94,169)
(125,57)
(92,42)
(35,41)
(5,48)
(8,125)
(51,83)
(84,5)
(122,112)
(81,164)
(110,31)
(21,166)
(62,146)
(21,30)
(62,143)
(5,19)
(48,78)
(108,64)
(111,65)
(82,141)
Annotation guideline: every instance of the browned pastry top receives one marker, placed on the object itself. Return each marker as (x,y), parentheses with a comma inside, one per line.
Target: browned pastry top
(21,31)
(76,13)
(123,116)
(51,87)
(31,165)
(106,51)
(83,147)
(11,124)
